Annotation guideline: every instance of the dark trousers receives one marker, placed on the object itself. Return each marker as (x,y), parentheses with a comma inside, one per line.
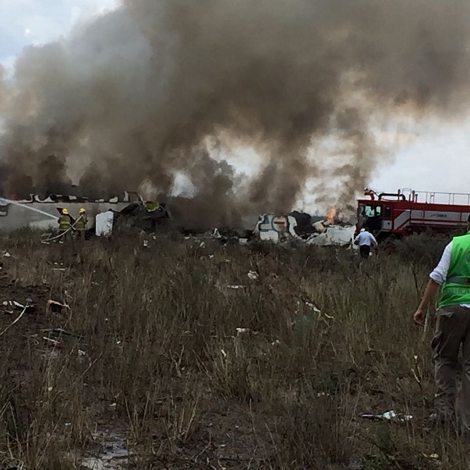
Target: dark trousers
(364,250)
(452,334)
(64,235)
(80,234)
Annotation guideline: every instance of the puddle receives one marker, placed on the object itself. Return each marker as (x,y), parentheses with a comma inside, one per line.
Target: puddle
(114,453)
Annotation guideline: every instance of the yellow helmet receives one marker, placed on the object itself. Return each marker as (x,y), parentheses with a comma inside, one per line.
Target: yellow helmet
(65,212)
(82,210)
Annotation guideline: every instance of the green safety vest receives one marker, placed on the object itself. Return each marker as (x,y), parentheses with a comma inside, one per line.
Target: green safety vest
(456,288)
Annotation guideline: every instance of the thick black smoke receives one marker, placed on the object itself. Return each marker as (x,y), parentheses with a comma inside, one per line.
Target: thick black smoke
(162,87)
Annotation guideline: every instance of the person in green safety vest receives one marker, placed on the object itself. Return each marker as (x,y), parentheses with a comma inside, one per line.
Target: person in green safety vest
(80,224)
(64,225)
(452,330)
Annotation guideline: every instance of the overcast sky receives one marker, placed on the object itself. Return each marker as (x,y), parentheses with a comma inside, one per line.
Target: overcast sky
(437,158)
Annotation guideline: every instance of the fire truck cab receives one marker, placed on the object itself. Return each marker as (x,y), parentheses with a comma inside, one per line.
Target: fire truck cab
(407,211)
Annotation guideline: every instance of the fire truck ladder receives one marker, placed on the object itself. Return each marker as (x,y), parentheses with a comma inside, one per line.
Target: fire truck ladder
(435,197)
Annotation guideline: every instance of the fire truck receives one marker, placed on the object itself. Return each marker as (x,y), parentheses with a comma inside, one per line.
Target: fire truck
(408,211)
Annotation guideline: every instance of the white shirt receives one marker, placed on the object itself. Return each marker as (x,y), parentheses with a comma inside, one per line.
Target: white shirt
(439,275)
(365,239)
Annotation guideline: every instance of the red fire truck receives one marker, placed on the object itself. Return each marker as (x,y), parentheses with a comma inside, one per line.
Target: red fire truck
(407,211)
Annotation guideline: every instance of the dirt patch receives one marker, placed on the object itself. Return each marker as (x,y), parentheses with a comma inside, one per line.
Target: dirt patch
(33,321)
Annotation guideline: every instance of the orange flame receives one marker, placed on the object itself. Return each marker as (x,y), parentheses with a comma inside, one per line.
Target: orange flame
(330,217)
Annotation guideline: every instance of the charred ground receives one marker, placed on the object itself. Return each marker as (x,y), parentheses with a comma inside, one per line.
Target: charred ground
(162,349)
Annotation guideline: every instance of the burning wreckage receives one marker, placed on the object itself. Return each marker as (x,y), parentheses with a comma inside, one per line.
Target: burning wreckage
(129,210)
(144,215)
(302,227)
(126,210)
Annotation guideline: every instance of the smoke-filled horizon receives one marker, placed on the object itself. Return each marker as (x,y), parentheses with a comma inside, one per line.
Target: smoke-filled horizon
(165,87)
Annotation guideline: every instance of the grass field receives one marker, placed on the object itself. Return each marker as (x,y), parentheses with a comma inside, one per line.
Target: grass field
(174,356)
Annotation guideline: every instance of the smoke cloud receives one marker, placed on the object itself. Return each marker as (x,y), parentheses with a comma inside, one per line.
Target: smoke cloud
(166,87)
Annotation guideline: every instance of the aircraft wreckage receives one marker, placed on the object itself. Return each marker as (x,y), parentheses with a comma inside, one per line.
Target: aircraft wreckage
(126,210)
(301,227)
(129,210)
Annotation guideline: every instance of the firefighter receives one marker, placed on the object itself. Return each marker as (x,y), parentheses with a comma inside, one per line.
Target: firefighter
(64,225)
(365,240)
(452,330)
(80,224)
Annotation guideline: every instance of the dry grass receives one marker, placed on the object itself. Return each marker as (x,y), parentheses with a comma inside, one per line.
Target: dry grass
(323,340)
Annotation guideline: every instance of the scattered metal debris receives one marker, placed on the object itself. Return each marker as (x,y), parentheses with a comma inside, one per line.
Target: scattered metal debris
(312,307)
(57,266)
(392,416)
(216,234)
(13,304)
(241,331)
